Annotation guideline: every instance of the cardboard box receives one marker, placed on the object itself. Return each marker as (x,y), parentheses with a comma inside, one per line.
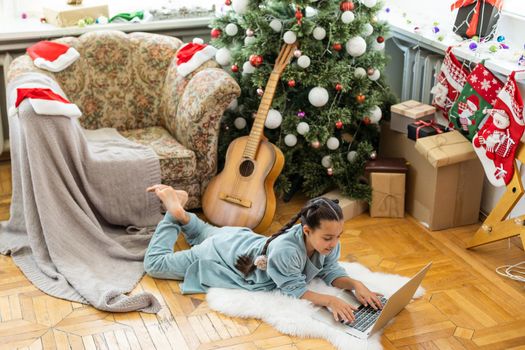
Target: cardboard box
(388,195)
(446,149)
(69,15)
(408,112)
(351,207)
(439,198)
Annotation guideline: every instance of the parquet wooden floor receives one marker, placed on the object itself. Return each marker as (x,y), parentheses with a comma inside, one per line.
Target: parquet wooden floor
(467,305)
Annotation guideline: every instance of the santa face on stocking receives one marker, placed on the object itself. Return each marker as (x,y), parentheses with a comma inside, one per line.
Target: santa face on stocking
(466,110)
(441,99)
(497,138)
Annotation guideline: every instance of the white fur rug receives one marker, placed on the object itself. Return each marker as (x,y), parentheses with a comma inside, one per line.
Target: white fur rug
(293,316)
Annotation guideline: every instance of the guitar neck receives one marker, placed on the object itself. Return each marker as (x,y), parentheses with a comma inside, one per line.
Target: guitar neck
(258,124)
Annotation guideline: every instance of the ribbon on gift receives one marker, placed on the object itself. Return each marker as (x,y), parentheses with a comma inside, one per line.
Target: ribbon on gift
(430,123)
(473,25)
(445,154)
(390,204)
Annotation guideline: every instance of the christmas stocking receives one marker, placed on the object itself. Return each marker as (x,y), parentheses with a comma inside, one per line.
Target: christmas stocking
(496,142)
(52,56)
(478,95)
(450,82)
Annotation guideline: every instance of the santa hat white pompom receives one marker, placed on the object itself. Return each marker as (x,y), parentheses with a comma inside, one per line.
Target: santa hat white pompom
(45,102)
(192,55)
(52,56)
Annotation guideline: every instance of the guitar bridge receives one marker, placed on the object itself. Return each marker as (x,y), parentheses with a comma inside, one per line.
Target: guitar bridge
(235,200)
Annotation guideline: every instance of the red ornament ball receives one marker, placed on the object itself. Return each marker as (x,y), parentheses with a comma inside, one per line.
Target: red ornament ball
(338,87)
(360,98)
(380,39)
(291,83)
(347,6)
(228,2)
(339,124)
(235,68)
(366,120)
(215,33)
(337,46)
(256,60)
(298,14)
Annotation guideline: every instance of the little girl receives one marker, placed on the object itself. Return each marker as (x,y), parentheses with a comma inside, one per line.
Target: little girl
(236,257)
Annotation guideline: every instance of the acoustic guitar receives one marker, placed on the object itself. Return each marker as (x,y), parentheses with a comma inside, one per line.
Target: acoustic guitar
(242,194)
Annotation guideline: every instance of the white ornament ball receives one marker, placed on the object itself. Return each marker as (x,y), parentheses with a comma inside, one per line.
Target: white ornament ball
(233,105)
(249,40)
(318,96)
(326,161)
(369,3)
(303,61)
(247,68)
(360,72)
(240,123)
(290,140)
(351,156)
(303,128)
(375,76)
(240,6)
(297,53)
(332,143)
(378,46)
(273,119)
(375,114)
(319,33)
(356,46)
(231,29)
(347,17)
(310,11)
(289,37)
(368,29)
(276,25)
(223,56)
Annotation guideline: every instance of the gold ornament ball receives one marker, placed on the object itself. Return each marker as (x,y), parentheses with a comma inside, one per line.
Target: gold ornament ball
(316,144)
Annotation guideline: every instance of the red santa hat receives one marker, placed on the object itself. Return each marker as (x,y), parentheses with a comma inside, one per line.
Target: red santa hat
(192,55)
(52,56)
(472,103)
(45,101)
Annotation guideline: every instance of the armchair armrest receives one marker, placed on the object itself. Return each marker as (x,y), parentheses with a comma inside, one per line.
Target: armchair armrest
(199,113)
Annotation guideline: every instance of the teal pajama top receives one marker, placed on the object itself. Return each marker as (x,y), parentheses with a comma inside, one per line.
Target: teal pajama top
(212,262)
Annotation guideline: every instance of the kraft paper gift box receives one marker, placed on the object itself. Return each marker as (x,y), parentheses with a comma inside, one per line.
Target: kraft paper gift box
(438,197)
(447,148)
(351,207)
(69,15)
(388,195)
(408,112)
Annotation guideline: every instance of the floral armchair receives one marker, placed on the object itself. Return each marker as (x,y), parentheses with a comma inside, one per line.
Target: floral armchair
(130,82)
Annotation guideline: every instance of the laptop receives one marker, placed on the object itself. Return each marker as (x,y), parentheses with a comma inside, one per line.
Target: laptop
(367,320)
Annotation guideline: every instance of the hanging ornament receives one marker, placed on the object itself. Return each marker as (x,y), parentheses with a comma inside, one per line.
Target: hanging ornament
(240,123)
(260,91)
(369,3)
(359,72)
(346,6)
(227,2)
(360,98)
(338,87)
(330,171)
(303,61)
(375,114)
(351,156)
(301,114)
(290,140)
(310,12)
(370,71)
(249,40)
(339,124)
(366,120)
(337,46)
(256,60)
(289,37)
(215,33)
(298,15)
(326,161)
(240,6)
(318,96)
(368,29)
(375,76)
(247,68)
(231,29)
(380,39)
(332,143)
(276,25)
(223,56)
(315,144)
(373,155)
(319,33)
(249,32)
(500,39)
(297,53)
(273,119)
(291,83)
(347,17)
(303,128)
(356,46)
(235,68)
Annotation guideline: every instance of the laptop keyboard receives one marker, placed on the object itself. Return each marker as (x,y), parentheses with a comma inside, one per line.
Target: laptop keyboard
(365,316)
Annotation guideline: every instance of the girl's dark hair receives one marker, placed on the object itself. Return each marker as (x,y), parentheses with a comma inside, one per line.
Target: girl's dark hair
(311,214)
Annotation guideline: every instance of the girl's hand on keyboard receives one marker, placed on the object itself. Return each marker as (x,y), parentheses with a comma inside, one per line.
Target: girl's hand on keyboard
(341,310)
(366,297)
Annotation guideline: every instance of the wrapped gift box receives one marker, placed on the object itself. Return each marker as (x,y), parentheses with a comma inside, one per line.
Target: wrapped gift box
(408,112)
(69,15)
(424,129)
(388,195)
(386,165)
(351,207)
(439,197)
(487,17)
(446,149)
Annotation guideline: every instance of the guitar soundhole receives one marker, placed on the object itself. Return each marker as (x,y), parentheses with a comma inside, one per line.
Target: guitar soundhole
(246,168)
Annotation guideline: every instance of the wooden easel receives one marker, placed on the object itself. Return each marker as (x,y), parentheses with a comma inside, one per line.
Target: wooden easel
(496,227)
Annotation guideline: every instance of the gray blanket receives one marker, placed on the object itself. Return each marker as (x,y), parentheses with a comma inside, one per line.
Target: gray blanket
(73,196)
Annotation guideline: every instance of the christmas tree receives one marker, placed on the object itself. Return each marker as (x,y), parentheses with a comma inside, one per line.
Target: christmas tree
(326,109)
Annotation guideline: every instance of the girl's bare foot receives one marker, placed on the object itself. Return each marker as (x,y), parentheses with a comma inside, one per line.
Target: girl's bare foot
(173,200)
